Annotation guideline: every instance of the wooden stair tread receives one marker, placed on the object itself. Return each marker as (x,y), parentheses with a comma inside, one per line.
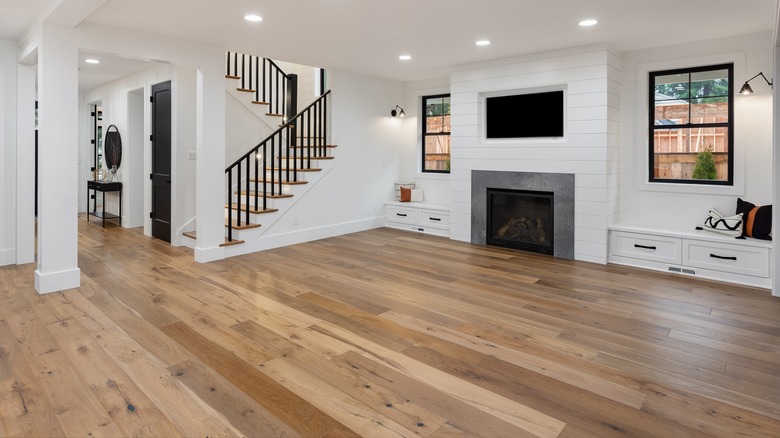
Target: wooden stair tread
(244,225)
(274,115)
(284,169)
(246,90)
(193,235)
(260,103)
(276,196)
(243,208)
(313,157)
(329,146)
(268,181)
(232,77)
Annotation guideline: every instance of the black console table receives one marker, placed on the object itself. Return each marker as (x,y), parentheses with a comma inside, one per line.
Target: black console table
(100,186)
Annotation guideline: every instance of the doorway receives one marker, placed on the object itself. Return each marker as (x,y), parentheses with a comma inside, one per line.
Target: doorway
(161,161)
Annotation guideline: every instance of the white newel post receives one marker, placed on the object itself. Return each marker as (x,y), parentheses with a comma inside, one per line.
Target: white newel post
(57,267)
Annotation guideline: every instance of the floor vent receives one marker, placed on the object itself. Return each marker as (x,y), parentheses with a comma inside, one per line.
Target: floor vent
(682,270)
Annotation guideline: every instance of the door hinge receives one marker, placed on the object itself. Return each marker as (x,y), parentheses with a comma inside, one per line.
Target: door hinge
(93,141)
(151,99)
(151,138)
(93,114)
(151,176)
(151,215)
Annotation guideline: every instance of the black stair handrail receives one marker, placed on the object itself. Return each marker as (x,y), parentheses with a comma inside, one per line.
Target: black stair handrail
(271,85)
(292,147)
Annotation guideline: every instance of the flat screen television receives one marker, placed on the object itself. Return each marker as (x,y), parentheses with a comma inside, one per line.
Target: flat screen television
(524,115)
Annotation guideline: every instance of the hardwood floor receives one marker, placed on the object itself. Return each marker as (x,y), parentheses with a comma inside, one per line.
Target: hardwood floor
(381,333)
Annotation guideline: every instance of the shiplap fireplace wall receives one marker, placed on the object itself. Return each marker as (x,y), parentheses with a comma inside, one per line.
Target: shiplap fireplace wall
(589,148)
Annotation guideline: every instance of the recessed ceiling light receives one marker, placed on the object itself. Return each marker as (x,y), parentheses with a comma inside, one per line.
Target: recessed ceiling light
(253,18)
(483,42)
(92,61)
(588,22)
(405,57)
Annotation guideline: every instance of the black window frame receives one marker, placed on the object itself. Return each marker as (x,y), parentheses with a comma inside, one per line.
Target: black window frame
(425,134)
(653,127)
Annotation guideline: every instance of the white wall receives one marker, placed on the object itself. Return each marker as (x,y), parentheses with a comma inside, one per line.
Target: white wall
(351,197)
(591,79)
(436,187)
(7,152)
(683,207)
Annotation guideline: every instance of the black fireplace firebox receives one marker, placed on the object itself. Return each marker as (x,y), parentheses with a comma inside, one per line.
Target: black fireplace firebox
(520,219)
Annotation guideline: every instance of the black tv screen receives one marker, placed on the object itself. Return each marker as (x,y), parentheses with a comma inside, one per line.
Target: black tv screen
(525,115)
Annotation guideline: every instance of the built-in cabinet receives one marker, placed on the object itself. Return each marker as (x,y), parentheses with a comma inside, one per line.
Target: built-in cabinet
(697,253)
(423,218)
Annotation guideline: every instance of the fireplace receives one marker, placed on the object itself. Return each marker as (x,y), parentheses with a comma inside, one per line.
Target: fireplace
(558,234)
(520,219)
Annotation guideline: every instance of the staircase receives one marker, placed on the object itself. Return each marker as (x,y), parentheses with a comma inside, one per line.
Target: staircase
(276,173)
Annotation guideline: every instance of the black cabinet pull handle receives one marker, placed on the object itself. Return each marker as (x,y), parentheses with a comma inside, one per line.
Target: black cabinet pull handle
(715,256)
(401,214)
(435,219)
(636,245)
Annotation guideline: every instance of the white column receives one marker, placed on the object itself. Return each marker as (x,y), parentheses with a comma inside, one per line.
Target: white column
(210,176)
(25,164)
(57,161)
(7,152)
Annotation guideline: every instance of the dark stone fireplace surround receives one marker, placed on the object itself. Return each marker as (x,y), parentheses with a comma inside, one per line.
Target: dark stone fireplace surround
(561,184)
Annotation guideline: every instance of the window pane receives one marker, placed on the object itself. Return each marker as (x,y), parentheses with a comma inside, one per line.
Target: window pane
(437,152)
(679,152)
(671,113)
(670,87)
(710,83)
(710,110)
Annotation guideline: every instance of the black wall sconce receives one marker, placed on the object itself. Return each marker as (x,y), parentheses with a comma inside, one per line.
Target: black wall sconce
(746,88)
(399,113)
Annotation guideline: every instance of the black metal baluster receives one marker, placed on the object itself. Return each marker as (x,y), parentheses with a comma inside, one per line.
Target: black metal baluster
(230,203)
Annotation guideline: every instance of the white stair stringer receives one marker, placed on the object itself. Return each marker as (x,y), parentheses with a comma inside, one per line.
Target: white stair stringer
(245,99)
(254,238)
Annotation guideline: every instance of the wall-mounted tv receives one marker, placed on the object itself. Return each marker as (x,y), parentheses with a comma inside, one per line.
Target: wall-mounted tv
(525,115)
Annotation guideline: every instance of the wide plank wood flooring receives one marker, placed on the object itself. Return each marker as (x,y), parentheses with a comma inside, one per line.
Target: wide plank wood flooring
(381,333)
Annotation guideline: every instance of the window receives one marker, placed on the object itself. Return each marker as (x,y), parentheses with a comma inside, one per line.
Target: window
(436,133)
(691,125)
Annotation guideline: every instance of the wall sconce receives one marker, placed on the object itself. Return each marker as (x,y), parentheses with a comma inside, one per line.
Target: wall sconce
(746,88)
(395,113)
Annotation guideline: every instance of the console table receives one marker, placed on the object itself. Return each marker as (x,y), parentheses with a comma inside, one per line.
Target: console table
(103,187)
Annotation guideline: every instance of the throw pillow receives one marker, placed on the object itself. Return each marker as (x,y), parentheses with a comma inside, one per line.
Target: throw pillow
(417,195)
(406,194)
(757,219)
(398,189)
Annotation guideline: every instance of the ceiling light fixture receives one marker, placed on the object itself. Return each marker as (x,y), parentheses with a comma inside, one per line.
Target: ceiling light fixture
(483,43)
(405,57)
(92,61)
(395,113)
(589,22)
(746,89)
(253,18)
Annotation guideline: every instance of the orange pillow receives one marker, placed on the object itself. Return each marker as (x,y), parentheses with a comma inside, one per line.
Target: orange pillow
(406,194)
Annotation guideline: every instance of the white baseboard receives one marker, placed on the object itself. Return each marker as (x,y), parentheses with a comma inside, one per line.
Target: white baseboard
(57,281)
(7,256)
(205,255)
(266,242)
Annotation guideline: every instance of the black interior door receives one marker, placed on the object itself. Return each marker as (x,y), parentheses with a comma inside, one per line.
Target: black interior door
(161,161)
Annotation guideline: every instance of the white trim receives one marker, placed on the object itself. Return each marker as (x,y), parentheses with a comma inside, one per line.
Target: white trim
(7,256)
(642,178)
(57,281)
(303,236)
(205,255)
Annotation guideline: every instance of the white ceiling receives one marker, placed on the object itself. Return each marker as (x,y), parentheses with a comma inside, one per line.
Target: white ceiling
(368,35)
